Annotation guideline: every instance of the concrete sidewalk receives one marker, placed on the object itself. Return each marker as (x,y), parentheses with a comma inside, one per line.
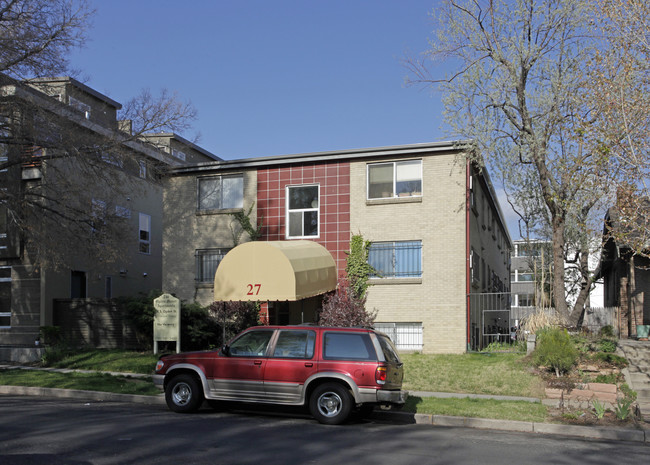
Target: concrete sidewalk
(589,432)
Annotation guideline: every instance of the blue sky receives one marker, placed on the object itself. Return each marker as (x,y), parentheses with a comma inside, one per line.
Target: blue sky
(271,77)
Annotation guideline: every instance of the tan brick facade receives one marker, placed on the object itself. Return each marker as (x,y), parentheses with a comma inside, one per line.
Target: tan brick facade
(437,300)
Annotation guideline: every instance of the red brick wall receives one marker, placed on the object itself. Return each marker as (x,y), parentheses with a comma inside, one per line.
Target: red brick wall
(334,214)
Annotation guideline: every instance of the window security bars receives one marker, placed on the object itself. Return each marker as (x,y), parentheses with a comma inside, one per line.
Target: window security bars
(396,259)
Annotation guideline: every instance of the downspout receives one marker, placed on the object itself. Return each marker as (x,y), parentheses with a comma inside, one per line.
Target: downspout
(467,252)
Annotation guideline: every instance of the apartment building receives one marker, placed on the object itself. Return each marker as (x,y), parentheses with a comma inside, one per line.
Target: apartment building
(43,118)
(436,228)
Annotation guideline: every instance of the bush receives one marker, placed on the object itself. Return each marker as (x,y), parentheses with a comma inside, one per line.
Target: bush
(199,330)
(555,350)
(607,345)
(234,317)
(607,331)
(343,308)
(613,359)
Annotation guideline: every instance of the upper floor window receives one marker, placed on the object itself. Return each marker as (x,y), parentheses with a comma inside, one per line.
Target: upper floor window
(524,277)
(79,105)
(401,259)
(178,154)
(145,233)
(302,211)
(207,262)
(221,192)
(395,179)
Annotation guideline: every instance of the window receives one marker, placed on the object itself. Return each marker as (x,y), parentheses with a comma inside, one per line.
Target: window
(207,262)
(251,344)
(475,266)
(221,192)
(5,296)
(395,179)
(145,233)
(108,287)
(396,259)
(302,211)
(178,154)
(143,169)
(405,336)
(79,105)
(525,300)
(524,277)
(295,344)
(348,346)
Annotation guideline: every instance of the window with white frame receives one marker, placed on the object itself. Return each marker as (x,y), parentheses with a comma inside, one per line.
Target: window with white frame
(145,233)
(523,277)
(400,259)
(207,262)
(395,179)
(303,206)
(221,192)
(525,300)
(405,336)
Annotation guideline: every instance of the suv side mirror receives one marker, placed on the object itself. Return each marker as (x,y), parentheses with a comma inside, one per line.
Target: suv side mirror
(225,350)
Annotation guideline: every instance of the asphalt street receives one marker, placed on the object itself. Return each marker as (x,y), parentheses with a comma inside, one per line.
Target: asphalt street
(52,431)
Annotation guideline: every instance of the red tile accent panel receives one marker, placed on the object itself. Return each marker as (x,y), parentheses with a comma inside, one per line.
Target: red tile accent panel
(334,214)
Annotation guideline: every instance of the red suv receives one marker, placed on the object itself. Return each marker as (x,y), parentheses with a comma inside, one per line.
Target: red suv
(332,370)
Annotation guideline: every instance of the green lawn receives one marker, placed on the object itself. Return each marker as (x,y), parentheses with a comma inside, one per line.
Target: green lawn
(83,381)
(495,374)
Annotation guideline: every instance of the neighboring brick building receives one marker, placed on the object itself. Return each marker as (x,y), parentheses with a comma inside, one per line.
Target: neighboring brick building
(436,228)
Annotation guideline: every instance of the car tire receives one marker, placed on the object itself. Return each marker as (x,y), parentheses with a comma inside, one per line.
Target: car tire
(330,404)
(183,394)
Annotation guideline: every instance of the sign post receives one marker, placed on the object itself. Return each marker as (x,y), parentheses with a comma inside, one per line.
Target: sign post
(167,321)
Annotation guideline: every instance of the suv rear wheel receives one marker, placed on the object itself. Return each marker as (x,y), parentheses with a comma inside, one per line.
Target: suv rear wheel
(183,394)
(330,404)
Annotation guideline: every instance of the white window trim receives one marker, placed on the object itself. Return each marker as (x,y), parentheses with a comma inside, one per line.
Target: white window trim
(395,194)
(287,211)
(141,241)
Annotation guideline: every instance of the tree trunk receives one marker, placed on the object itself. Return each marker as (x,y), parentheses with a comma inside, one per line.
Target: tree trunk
(587,282)
(559,293)
(632,299)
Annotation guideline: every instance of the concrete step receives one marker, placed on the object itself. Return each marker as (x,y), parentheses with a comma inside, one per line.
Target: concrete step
(640,379)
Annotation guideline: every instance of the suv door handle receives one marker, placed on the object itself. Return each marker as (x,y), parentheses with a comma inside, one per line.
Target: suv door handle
(309,365)
(257,362)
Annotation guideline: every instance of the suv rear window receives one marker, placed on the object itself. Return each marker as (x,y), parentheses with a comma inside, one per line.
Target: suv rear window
(348,346)
(387,347)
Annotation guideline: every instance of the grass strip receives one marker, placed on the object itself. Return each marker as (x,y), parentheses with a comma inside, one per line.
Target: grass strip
(475,373)
(121,361)
(478,408)
(83,381)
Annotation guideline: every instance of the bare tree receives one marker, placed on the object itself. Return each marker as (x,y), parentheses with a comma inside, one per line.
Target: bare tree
(60,170)
(521,90)
(36,35)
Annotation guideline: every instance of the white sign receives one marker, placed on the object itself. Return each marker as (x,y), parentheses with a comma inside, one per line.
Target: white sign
(167,321)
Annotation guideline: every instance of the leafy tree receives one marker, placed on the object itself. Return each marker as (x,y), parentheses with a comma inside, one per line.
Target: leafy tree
(522,91)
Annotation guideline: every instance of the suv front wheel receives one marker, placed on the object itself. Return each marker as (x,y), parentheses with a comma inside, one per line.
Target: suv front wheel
(330,404)
(183,394)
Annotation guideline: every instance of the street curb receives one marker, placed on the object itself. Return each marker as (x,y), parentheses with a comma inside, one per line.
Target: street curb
(589,432)
(614,434)
(82,395)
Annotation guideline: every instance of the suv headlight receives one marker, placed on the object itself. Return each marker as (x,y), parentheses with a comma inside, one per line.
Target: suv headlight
(160,365)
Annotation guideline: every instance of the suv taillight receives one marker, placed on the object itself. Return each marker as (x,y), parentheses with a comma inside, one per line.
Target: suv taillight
(380,375)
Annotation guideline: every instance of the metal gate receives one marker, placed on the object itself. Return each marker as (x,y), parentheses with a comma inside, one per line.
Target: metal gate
(490,319)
